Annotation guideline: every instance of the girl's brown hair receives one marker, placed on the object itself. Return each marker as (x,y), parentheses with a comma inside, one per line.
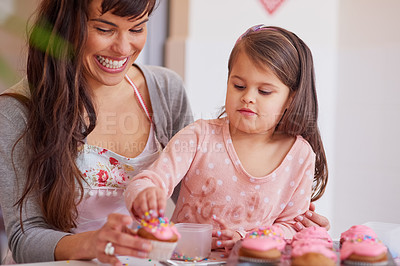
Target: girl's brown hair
(61,112)
(291,61)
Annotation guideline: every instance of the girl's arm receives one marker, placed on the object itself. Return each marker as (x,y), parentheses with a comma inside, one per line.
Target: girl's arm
(299,201)
(311,218)
(149,189)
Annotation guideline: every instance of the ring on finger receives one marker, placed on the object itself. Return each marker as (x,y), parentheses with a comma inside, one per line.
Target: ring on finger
(109,249)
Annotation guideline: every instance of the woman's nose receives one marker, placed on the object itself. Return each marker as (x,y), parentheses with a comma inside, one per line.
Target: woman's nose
(123,45)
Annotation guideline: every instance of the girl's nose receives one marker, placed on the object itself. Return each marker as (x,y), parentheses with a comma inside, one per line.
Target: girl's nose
(248,96)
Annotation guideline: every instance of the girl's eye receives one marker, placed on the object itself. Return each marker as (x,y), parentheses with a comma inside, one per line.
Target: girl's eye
(264,92)
(239,87)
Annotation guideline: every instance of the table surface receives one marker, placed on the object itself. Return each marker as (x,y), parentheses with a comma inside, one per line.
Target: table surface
(216,258)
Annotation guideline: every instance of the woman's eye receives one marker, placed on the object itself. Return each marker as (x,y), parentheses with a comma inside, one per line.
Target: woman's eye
(103,30)
(137,30)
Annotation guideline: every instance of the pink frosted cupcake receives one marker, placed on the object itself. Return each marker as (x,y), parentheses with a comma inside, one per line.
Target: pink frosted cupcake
(355,231)
(263,245)
(313,253)
(313,246)
(313,232)
(363,250)
(163,236)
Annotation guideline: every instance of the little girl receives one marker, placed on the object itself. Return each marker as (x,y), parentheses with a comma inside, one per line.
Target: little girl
(260,164)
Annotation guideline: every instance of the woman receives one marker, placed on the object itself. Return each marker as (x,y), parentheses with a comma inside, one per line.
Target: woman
(84,93)
(84,121)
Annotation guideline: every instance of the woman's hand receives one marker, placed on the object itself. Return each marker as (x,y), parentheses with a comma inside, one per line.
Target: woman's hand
(90,245)
(224,238)
(311,218)
(151,202)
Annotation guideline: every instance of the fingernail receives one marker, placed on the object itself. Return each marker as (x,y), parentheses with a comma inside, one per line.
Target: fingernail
(308,214)
(127,220)
(299,226)
(161,212)
(300,218)
(146,246)
(142,254)
(219,243)
(153,213)
(218,233)
(214,216)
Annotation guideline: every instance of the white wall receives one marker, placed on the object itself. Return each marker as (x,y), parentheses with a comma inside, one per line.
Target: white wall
(368,93)
(355,45)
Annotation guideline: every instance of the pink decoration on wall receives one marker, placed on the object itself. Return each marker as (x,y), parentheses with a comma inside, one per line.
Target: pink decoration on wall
(271,5)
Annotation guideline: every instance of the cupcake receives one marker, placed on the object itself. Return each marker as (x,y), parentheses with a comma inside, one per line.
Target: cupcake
(163,236)
(313,232)
(363,250)
(312,246)
(355,231)
(264,245)
(313,254)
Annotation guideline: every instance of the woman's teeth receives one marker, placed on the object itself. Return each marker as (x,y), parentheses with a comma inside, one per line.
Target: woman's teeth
(109,63)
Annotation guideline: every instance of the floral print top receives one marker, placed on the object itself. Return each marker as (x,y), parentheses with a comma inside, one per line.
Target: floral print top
(106,174)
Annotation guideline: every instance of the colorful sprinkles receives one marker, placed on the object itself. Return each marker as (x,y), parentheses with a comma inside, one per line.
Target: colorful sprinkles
(362,238)
(180,256)
(155,224)
(264,232)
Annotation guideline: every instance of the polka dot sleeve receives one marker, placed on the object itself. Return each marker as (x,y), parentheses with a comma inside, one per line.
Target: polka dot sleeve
(302,172)
(172,165)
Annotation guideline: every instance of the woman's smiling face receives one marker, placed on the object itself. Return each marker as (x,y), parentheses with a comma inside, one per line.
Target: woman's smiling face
(113,44)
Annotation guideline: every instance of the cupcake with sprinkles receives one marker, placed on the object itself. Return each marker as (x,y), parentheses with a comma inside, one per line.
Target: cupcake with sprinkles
(355,231)
(163,236)
(264,245)
(363,250)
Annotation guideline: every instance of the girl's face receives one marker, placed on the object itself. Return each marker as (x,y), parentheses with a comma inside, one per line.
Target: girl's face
(256,99)
(113,44)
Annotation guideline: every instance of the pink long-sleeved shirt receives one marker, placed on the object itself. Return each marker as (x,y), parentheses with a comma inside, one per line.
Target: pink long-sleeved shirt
(215,182)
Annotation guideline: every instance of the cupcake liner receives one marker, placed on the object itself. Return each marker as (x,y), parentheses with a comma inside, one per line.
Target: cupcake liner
(364,263)
(161,250)
(259,260)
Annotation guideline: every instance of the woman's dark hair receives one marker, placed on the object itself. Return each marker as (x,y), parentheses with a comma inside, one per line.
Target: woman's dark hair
(289,58)
(61,112)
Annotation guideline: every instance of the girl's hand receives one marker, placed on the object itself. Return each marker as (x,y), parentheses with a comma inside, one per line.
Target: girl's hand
(311,218)
(123,241)
(149,203)
(224,238)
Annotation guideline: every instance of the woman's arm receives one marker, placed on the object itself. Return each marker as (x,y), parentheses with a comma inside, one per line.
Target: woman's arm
(36,240)
(90,245)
